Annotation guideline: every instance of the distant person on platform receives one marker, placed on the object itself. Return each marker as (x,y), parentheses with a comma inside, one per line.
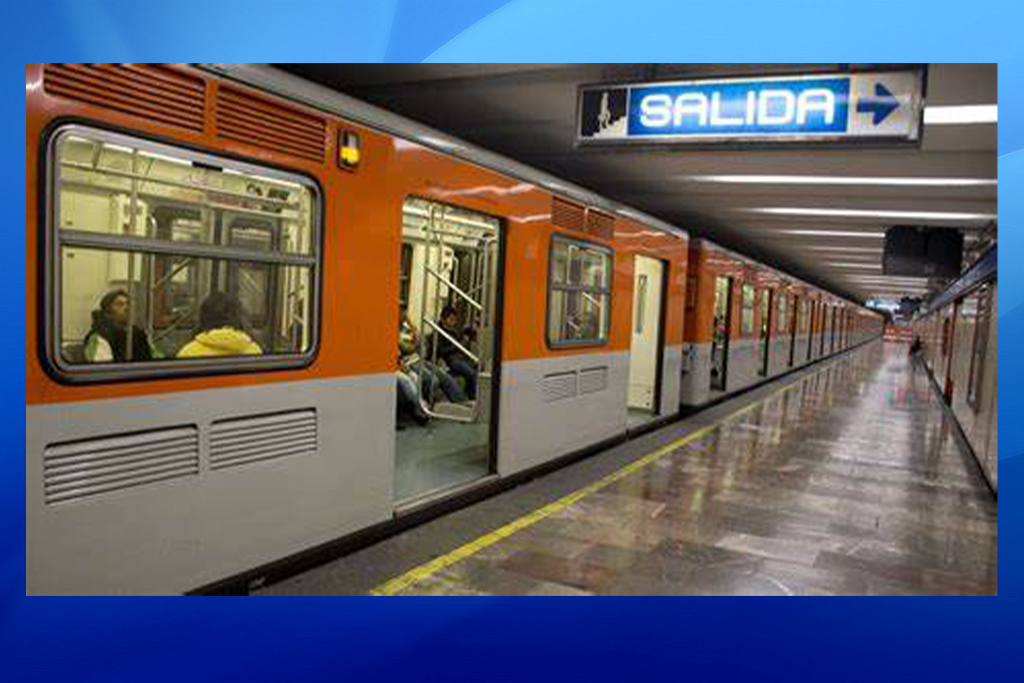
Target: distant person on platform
(915,346)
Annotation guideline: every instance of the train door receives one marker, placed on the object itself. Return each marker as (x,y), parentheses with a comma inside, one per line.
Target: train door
(794,316)
(765,332)
(936,348)
(647,344)
(832,337)
(824,330)
(950,341)
(446,349)
(721,327)
(979,345)
(813,317)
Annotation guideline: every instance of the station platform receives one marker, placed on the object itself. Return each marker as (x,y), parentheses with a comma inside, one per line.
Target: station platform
(843,478)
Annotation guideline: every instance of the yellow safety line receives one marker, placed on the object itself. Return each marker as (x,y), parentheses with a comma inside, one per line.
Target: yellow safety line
(424,571)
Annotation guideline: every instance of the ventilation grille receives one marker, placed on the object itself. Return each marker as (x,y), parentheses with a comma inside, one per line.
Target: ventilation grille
(558,386)
(600,225)
(260,123)
(266,437)
(86,468)
(593,380)
(151,91)
(567,215)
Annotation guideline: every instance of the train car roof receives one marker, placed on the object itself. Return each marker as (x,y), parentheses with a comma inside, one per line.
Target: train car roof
(283,84)
(286,85)
(704,241)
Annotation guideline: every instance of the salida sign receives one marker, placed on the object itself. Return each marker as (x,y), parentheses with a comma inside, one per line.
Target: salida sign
(878,106)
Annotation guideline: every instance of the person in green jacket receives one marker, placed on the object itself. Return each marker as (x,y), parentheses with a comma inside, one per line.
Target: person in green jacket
(221,330)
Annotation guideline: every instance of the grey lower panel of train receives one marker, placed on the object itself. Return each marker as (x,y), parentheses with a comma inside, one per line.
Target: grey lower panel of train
(163,494)
(216,511)
(744,361)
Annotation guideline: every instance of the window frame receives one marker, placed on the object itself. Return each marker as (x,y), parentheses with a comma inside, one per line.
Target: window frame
(557,237)
(53,239)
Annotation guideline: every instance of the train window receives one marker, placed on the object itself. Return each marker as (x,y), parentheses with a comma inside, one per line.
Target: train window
(783,319)
(579,293)
(747,317)
(174,196)
(162,254)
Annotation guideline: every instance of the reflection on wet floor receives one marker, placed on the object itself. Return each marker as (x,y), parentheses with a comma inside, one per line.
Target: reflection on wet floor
(849,483)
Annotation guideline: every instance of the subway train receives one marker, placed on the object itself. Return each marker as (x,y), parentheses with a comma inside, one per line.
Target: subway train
(268,322)
(959,341)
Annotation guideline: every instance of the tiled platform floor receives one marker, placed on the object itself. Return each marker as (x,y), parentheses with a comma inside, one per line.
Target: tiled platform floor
(850,482)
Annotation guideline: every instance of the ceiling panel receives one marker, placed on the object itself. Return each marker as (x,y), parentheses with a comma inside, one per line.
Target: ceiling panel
(527,112)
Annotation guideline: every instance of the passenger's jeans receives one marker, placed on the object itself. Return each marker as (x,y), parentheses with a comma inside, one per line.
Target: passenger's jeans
(466,369)
(434,377)
(409,396)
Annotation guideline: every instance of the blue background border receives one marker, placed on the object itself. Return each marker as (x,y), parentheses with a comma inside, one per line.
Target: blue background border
(364,639)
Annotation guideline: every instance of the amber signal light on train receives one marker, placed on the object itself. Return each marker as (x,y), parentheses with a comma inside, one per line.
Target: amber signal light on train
(348,150)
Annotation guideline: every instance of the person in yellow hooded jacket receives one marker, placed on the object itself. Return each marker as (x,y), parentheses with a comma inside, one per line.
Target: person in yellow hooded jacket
(221,330)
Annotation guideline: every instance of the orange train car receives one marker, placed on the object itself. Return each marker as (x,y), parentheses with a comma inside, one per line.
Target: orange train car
(265,317)
(747,322)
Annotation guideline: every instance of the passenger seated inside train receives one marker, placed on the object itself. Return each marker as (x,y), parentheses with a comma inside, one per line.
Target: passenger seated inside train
(409,399)
(591,326)
(460,365)
(221,330)
(437,383)
(107,340)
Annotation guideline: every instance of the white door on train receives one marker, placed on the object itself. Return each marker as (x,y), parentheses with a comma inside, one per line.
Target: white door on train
(647,344)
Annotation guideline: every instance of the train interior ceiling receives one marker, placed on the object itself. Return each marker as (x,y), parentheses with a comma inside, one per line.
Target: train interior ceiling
(308,314)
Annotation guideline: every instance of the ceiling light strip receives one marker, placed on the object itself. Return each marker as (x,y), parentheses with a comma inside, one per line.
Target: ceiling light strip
(872,213)
(838,180)
(960,114)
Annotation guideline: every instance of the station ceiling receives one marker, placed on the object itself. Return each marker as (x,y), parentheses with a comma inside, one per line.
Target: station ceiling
(528,112)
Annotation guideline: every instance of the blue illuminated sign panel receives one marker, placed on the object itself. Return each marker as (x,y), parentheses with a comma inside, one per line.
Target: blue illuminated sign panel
(879,106)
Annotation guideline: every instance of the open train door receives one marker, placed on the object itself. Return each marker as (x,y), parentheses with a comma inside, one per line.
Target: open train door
(447,348)
(765,333)
(722,327)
